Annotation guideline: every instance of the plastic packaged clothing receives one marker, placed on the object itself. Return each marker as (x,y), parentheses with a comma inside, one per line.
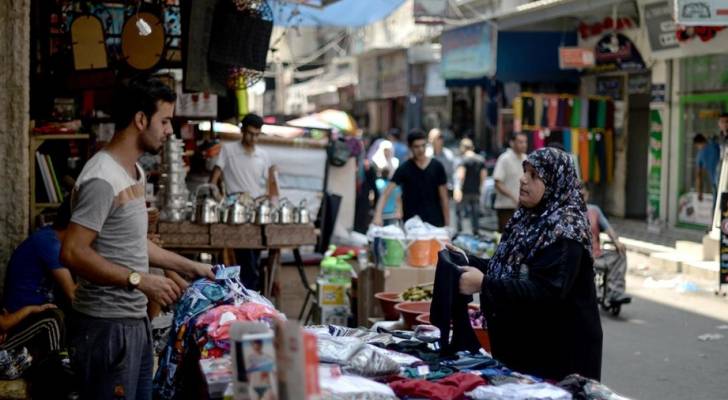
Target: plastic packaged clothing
(337,350)
(515,391)
(371,363)
(582,388)
(452,387)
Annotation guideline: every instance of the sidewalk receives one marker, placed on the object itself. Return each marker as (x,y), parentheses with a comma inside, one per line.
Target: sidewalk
(637,230)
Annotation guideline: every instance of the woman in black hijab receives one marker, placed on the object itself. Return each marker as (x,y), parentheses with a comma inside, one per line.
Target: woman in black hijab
(538,292)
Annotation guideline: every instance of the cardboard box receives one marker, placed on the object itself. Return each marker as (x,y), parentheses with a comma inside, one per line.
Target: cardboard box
(298,362)
(399,279)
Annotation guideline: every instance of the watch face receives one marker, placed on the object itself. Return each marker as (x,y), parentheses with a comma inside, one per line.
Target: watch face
(134,278)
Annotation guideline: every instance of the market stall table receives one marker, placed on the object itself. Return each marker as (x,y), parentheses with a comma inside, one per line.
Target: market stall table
(185,236)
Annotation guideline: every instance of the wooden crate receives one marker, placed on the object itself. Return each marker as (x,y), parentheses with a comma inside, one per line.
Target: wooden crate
(185,239)
(236,236)
(183,227)
(289,235)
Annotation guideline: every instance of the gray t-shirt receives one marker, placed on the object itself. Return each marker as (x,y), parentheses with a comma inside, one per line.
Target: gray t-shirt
(109,201)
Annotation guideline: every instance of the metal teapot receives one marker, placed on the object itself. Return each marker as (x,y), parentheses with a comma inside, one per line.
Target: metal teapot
(285,213)
(206,207)
(263,211)
(302,214)
(241,211)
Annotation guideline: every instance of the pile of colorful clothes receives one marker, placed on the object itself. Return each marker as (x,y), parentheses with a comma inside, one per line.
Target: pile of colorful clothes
(201,326)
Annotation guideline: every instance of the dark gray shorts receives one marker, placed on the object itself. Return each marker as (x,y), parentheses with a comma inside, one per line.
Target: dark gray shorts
(112,357)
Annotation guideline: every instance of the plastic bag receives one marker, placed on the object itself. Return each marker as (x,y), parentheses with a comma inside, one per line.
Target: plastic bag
(337,350)
(517,391)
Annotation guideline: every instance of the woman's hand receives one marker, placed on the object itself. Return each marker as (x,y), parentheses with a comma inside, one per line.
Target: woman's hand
(471,280)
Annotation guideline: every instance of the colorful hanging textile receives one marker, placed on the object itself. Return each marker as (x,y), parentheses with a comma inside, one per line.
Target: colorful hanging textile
(553,111)
(584,118)
(609,145)
(538,140)
(538,111)
(602,114)
(517,114)
(584,153)
(562,114)
(601,154)
(575,112)
(566,140)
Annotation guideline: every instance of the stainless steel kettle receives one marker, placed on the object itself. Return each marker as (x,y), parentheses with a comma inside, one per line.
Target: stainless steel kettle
(241,211)
(263,211)
(206,207)
(284,213)
(302,214)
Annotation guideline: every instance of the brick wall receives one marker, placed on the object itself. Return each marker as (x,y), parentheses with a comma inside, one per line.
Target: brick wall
(14,109)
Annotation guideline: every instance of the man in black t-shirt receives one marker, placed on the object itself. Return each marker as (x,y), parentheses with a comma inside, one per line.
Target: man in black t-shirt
(469,178)
(424,186)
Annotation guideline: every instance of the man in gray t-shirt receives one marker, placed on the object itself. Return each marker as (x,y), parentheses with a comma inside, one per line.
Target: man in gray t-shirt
(106,246)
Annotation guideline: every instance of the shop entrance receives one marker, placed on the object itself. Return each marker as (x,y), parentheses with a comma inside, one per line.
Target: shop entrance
(638,141)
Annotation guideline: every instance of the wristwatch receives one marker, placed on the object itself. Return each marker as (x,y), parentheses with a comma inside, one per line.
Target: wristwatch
(133,280)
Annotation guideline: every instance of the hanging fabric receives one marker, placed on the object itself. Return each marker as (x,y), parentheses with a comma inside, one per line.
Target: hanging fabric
(517,114)
(538,111)
(529,112)
(610,115)
(593,111)
(609,146)
(575,112)
(584,117)
(566,140)
(601,151)
(575,142)
(556,136)
(584,153)
(602,114)
(562,114)
(592,159)
(545,112)
(538,139)
(553,111)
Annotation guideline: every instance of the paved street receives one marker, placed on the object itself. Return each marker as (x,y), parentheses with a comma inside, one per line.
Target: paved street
(652,350)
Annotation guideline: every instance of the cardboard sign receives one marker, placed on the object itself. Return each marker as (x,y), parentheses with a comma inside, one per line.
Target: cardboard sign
(575,58)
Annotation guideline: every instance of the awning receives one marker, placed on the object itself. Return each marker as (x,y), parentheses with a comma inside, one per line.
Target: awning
(543,11)
(533,57)
(344,13)
(527,57)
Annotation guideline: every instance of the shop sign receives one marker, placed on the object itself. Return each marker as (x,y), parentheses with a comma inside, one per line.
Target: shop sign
(575,58)
(368,79)
(723,239)
(654,180)
(429,11)
(661,27)
(615,52)
(468,52)
(701,12)
(639,84)
(657,93)
(393,77)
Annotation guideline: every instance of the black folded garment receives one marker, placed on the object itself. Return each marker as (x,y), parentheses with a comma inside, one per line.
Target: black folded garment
(449,306)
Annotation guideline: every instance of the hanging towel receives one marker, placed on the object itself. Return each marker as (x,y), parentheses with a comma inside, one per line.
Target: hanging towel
(584,118)
(609,149)
(575,142)
(566,140)
(575,119)
(450,307)
(538,114)
(593,111)
(553,111)
(584,153)
(602,114)
(517,114)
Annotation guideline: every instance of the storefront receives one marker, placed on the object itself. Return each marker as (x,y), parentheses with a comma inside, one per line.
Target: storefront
(383,77)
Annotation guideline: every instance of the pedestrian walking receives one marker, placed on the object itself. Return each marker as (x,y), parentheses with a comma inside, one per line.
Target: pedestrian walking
(507,174)
(423,183)
(469,177)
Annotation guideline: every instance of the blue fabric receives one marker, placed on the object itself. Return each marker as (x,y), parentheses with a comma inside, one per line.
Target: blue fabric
(390,207)
(708,158)
(343,13)
(28,280)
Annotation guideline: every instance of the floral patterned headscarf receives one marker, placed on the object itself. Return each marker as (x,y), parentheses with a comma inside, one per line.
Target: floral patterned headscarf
(561,214)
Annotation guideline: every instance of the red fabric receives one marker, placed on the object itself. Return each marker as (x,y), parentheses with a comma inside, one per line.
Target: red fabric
(451,388)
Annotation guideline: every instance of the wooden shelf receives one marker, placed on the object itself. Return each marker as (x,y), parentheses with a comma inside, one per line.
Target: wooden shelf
(61,136)
(47,205)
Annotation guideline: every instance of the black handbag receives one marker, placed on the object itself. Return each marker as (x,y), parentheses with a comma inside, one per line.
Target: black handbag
(338,152)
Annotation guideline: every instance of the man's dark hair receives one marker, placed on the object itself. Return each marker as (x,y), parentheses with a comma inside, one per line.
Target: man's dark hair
(63,215)
(253,120)
(514,135)
(139,94)
(723,115)
(699,139)
(415,135)
(384,173)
